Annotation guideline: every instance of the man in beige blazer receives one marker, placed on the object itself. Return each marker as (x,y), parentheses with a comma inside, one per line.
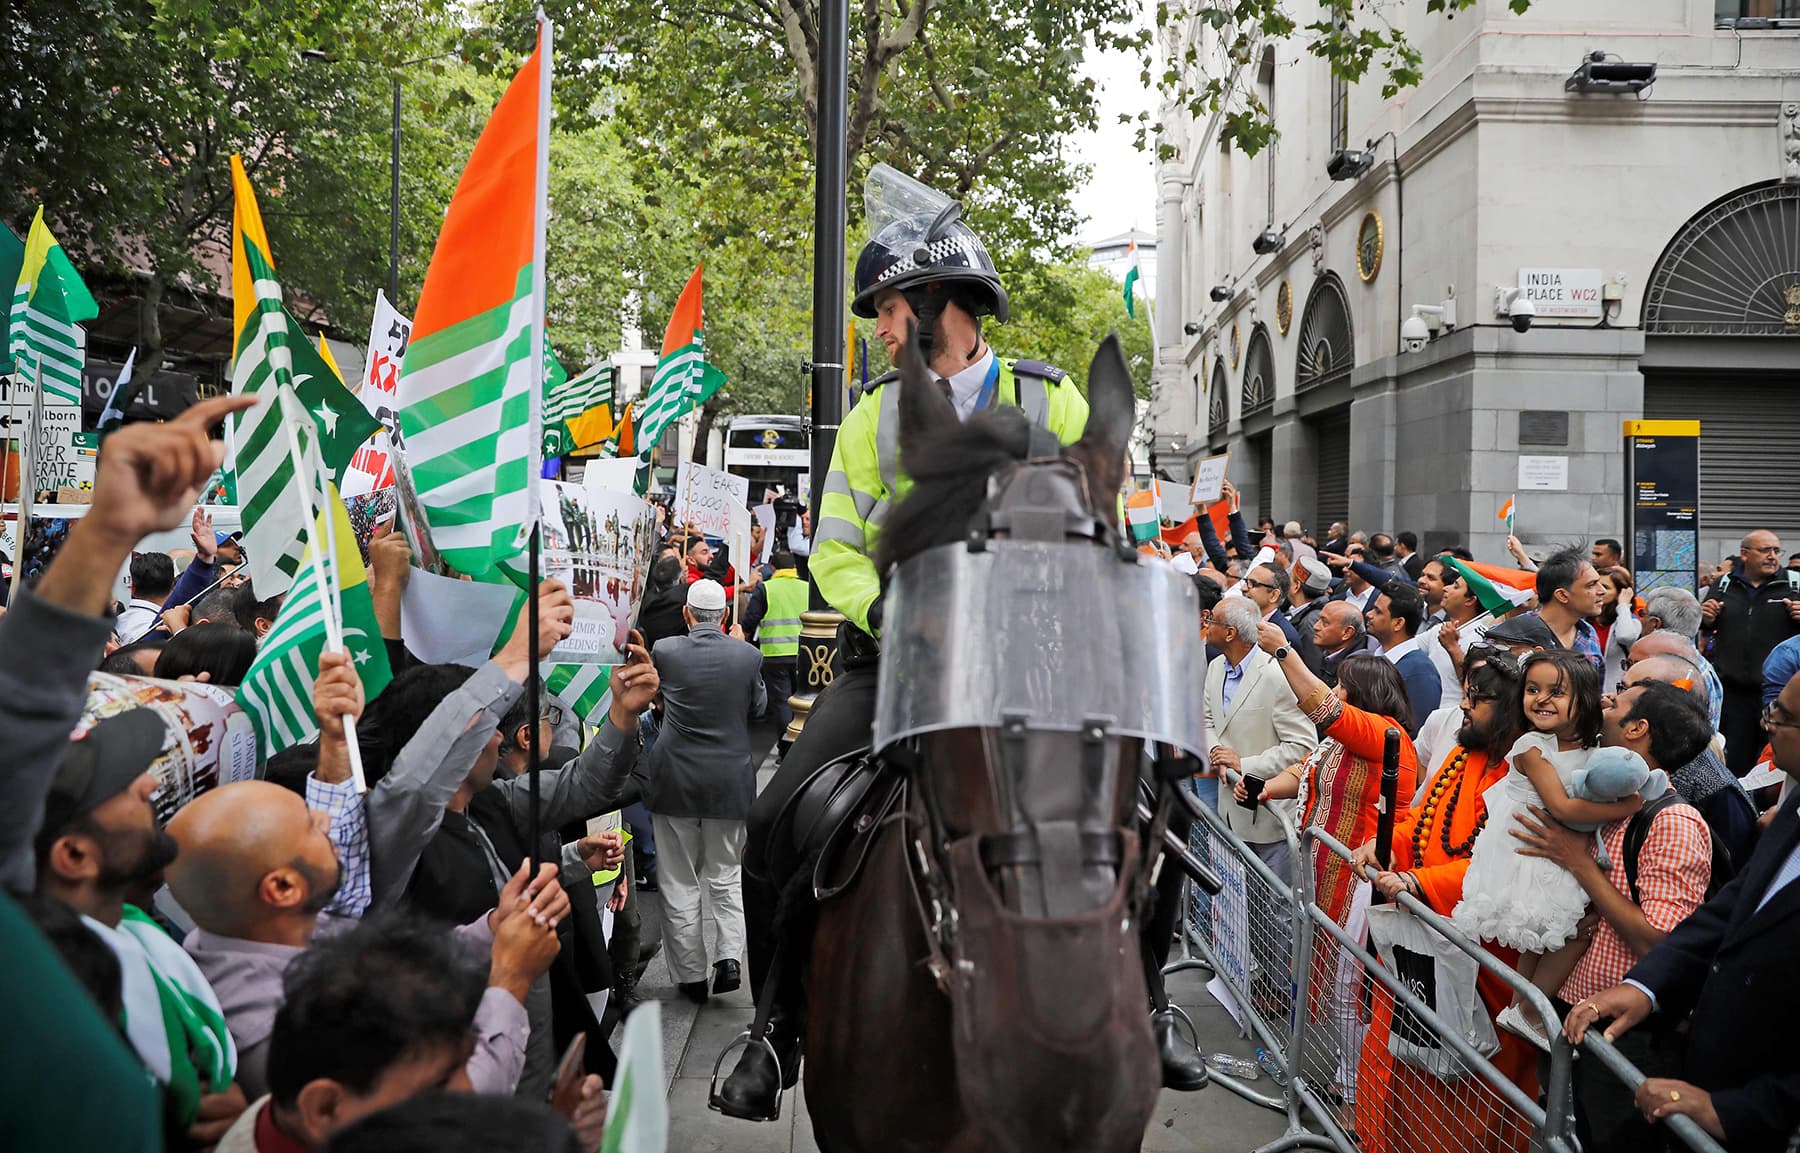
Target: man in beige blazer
(1256,725)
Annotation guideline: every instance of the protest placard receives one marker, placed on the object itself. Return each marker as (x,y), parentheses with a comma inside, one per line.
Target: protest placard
(600,544)
(209,740)
(704,498)
(1209,480)
(372,467)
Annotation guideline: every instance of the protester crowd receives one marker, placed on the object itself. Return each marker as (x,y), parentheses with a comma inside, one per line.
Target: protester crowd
(288,961)
(1595,783)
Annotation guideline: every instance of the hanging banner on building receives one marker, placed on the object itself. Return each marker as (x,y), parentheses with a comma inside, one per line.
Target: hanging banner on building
(1662,501)
(372,467)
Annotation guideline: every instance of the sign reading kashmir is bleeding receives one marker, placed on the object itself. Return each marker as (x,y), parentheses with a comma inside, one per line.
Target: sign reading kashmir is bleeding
(471,393)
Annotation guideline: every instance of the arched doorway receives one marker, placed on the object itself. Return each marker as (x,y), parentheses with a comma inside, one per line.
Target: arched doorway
(1322,365)
(1721,321)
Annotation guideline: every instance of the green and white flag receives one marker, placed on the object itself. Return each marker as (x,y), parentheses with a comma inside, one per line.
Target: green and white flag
(683,380)
(272,353)
(637,1111)
(277,691)
(567,399)
(1132,274)
(584,688)
(44,330)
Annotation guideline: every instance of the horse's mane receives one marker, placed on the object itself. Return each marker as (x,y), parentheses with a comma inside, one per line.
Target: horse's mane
(950,476)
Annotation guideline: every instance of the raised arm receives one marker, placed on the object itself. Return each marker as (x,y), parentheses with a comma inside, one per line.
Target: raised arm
(331,787)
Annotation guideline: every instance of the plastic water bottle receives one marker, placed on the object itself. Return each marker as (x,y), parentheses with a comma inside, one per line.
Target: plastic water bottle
(1229,1066)
(1271,1065)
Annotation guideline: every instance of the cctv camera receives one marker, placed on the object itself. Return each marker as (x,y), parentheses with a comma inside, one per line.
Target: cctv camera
(1414,334)
(1522,313)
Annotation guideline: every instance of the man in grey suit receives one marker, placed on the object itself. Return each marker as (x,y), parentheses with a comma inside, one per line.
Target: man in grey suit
(702,780)
(1255,723)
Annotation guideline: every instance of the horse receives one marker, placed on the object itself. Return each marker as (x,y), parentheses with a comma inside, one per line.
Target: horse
(978,987)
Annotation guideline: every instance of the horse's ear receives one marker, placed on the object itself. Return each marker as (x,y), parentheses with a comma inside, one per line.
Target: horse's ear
(1112,409)
(925,411)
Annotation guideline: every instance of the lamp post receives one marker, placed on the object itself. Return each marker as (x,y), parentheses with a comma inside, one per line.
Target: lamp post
(315,55)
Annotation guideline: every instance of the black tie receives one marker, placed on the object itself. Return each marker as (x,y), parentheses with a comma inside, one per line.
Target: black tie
(949,393)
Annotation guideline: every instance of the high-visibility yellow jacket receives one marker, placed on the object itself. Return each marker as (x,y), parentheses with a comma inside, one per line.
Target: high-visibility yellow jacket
(779,633)
(865,478)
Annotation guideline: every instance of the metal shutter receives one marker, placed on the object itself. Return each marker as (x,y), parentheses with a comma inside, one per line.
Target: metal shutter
(1749,448)
(1332,467)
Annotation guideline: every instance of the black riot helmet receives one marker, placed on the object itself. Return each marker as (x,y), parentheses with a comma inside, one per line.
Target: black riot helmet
(920,239)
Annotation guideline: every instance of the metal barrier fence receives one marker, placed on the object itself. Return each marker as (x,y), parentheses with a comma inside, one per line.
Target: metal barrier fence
(1683,1128)
(1362,1063)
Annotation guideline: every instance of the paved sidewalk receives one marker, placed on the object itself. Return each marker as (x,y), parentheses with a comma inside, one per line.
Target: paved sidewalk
(1210,1121)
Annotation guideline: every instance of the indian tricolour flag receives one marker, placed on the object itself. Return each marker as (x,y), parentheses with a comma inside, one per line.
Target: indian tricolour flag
(1500,590)
(44,333)
(471,387)
(1143,513)
(1132,274)
(683,380)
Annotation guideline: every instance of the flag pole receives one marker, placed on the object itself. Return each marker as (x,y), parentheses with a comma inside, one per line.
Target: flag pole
(27,476)
(532,705)
(336,593)
(539,337)
(334,633)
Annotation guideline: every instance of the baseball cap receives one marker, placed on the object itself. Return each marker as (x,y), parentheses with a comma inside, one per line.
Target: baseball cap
(99,765)
(1318,576)
(1524,629)
(706,594)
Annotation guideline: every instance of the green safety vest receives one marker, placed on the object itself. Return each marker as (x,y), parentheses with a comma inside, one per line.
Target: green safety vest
(779,633)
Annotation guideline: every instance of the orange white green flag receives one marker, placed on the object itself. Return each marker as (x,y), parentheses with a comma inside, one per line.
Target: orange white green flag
(471,388)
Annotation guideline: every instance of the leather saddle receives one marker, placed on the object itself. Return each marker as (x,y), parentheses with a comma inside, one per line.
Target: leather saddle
(833,816)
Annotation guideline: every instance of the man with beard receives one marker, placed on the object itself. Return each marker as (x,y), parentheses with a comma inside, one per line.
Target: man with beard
(98,844)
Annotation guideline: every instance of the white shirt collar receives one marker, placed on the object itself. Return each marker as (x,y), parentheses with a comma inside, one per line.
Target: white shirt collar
(1409,645)
(966,386)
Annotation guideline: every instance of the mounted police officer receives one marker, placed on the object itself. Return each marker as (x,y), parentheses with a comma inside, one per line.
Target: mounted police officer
(924,268)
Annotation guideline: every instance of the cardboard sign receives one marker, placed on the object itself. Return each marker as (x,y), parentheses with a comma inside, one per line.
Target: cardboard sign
(209,742)
(600,544)
(62,459)
(1209,480)
(704,497)
(373,467)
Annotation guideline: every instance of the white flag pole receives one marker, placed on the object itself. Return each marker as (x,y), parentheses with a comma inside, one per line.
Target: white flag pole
(28,462)
(334,630)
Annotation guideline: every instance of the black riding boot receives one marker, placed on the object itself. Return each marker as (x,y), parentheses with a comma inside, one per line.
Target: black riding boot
(752,1091)
(1183,1068)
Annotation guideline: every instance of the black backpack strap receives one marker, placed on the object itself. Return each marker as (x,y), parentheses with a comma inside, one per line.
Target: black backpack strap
(1637,832)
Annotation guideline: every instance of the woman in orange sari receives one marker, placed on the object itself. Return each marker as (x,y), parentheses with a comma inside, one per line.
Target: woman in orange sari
(1339,786)
(1402,1108)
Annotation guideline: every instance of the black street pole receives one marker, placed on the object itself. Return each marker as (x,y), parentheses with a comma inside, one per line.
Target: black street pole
(829,224)
(394,205)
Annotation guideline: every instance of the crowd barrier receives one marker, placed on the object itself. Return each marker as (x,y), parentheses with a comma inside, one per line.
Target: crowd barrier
(1362,1057)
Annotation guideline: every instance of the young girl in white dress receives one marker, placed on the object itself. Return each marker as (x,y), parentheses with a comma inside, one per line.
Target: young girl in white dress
(1529,903)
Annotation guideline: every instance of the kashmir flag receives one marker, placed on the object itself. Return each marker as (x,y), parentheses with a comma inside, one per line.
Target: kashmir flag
(683,379)
(1131,279)
(622,440)
(1143,513)
(44,330)
(570,400)
(277,691)
(273,354)
(584,688)
(637,1108)
(471,387)
(1500,590)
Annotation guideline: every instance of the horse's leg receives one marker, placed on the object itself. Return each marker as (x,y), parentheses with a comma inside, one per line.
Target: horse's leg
(880,1073)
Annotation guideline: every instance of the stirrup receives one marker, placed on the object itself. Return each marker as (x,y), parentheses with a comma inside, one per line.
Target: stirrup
(1181,1014)
(745,1040)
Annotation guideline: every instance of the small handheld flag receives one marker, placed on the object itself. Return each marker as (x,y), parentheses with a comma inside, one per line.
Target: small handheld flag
(1506,514)
(1131,278)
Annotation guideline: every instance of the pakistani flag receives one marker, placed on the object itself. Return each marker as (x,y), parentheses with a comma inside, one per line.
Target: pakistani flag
(471,387)
(272,354)
(44,333)
(683,380)
(1131,279)
(277,691)
(566,400)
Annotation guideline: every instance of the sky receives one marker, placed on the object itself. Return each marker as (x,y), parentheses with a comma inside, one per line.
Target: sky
(1121,192)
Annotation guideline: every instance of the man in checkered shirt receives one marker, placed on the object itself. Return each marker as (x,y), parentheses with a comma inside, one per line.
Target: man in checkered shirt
(1665,726)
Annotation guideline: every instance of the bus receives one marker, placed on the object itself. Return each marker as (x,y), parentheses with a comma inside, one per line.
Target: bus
(771,450)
